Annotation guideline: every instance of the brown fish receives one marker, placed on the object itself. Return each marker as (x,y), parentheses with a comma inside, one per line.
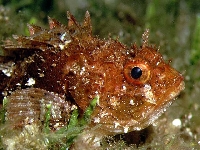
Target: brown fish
(134,84)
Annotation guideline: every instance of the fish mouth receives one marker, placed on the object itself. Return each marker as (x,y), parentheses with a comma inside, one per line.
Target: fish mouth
(122,126)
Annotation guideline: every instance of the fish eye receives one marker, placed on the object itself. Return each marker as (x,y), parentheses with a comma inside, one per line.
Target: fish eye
(137,71)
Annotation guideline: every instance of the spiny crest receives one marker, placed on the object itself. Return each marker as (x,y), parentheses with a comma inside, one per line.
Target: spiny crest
(145,38)
(58,36)
(33,29)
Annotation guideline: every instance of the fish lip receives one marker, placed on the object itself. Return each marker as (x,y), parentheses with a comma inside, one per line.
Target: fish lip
(174,91)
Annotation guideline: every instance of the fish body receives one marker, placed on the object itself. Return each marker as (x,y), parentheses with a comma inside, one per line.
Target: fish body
(134,84)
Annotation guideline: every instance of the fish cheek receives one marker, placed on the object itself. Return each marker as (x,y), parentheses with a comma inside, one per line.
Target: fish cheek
(85,84)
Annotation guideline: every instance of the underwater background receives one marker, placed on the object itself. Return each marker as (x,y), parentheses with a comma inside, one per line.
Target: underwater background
(174,27)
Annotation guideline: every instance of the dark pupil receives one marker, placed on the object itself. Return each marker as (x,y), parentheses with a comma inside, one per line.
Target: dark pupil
(136,72)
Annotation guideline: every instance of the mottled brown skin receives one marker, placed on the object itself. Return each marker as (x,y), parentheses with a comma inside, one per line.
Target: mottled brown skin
(69,60)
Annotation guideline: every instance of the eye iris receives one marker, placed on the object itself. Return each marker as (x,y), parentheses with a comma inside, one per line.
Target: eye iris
(136,72)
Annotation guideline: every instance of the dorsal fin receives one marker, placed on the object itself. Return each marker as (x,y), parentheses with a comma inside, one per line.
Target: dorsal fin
(56,38)
(53,23)
(145,38)
(72,21)
(87,22)
(33,29)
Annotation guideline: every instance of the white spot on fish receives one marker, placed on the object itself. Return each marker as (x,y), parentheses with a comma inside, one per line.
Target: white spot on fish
(116,124)
(126,129)
(30,82)
(96,120)
(131,102)
(149,94)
